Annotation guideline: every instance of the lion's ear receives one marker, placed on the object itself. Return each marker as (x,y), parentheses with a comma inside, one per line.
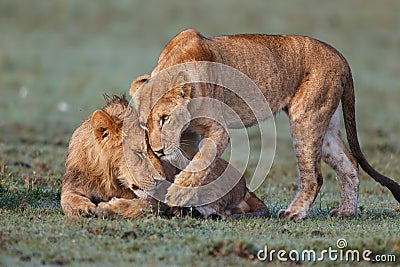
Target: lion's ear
(137,83)
(103,125)
(182,81)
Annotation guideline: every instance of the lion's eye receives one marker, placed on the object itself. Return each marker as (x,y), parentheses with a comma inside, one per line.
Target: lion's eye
(163,120)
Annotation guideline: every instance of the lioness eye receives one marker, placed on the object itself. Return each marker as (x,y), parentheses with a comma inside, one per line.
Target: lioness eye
(163,119)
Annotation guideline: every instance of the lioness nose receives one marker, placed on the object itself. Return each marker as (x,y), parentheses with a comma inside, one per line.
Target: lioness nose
(159,153)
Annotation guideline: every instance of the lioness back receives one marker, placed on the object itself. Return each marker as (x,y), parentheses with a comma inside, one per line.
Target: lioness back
(277,64)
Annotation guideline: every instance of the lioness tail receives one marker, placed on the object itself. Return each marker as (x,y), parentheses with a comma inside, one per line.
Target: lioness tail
(348,106)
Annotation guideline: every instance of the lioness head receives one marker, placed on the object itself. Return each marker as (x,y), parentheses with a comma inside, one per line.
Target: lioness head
(111,144)
(168,118)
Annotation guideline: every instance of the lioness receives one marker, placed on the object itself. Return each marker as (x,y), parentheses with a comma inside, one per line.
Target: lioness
(302,76)
(99,180)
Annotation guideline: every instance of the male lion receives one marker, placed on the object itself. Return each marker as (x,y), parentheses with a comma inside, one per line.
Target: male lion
(99,180)
(302,76)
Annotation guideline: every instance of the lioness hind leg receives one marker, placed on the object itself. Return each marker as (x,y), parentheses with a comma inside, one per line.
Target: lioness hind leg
(337,156)
(255,204)
(251,206)
(241,207)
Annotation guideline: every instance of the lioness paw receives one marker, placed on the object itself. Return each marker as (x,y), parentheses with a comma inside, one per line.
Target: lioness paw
(190,179)
(342,214)
(179,196)
(291,215)
(183,191)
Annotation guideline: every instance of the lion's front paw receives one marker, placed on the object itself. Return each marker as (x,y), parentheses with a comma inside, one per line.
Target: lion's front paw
(291,215)
(112,209)
(103,210)
(86,210)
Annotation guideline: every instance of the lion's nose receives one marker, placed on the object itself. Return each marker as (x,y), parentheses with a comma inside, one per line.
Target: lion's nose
(159,153)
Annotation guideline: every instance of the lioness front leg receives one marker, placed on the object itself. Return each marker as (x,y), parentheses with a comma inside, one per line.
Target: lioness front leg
(212,146)
(307,142)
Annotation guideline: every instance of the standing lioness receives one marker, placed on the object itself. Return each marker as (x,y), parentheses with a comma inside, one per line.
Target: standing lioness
(302,76)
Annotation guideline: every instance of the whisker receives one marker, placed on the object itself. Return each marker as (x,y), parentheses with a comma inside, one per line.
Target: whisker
(183,153)
(181,159)
(184,143)
(189,141)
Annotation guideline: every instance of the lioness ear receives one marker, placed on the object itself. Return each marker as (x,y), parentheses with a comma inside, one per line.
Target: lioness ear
(137,83)
(182,81)
(102,124)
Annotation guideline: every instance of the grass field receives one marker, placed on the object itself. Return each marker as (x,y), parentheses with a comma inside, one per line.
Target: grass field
(57,58)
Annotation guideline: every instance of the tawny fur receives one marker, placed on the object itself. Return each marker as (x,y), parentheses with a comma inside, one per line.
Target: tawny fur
(96,171)
(98,182)
(302,76)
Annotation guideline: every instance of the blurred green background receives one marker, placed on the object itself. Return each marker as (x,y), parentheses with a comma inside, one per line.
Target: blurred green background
(57,58)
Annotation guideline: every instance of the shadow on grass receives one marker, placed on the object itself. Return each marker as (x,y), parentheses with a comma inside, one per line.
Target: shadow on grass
(324,213)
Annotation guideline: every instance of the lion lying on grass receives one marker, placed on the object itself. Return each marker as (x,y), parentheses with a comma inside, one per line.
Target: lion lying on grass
(98,181)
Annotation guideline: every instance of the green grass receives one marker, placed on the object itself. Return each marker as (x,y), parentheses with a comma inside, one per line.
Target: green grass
(68,53)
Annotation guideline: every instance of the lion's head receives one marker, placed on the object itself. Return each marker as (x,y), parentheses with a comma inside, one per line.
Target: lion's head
(111,145)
